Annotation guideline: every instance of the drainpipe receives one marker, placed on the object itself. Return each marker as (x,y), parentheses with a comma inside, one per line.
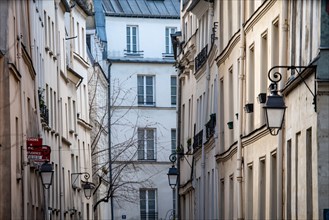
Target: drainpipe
(179,124)
(109,133)
(283,61)
(241,83)
(59,110)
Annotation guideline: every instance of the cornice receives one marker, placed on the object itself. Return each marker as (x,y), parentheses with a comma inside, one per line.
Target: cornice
(186,187)
(260,12)
(84,124)
(255,135)
(228,49)
(81,60)
(226,155)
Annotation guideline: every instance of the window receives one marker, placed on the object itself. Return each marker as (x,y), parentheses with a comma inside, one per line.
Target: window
(250,191)
(147,198)
(132,32)
(173,86)
(146,144)
(261,188)
(145,90)
(46,27)
(169,31)
(173,140)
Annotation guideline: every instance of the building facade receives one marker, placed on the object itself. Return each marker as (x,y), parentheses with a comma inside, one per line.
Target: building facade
(44,106)
(143,105)
(236,168)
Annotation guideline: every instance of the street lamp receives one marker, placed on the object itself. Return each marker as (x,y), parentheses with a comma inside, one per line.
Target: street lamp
(86,185)
(274,109)
(172,176)
(46,173)
(88,188)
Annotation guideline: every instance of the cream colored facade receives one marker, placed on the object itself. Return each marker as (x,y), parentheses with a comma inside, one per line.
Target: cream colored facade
(236,169)
(44,69)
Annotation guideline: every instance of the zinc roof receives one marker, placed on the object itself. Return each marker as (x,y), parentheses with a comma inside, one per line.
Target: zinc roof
(142,8)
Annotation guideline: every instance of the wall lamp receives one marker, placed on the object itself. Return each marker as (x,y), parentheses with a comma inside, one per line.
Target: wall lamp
(275,106)
(173,173)
(86,185)
(46,173)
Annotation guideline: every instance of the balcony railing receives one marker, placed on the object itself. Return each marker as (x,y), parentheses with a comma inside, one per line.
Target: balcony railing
(210,126)
(201,58)
(134,53)
(44,113)
(197,140)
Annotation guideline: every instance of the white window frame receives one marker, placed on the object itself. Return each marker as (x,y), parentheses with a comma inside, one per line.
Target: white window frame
(130,39)
(173,95)
(142,87)
(147,200)
(146,144)
(173,133)
(168,45)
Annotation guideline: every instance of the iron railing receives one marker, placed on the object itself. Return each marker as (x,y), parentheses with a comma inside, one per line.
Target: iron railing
(201,58)
(197,140)
(210,126)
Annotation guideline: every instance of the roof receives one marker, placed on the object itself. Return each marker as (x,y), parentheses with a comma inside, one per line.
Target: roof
(100,20)
(143,8)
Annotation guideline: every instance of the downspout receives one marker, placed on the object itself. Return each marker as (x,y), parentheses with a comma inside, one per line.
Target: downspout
(283,61)
(240,131)
(109,133)
(179,125)
(59,110)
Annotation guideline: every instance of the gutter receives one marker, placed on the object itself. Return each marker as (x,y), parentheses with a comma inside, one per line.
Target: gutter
(241,83)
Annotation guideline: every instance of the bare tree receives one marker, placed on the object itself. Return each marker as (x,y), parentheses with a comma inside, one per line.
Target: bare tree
(124,152)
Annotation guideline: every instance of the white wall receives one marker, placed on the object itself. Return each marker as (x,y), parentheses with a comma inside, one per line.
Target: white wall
(151,35)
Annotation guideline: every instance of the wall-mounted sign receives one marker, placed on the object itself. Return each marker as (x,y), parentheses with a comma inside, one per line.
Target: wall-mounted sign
(36,152)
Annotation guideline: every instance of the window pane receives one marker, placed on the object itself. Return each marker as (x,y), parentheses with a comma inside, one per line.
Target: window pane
(173,140)
(167,40)
(128,39)
(134,39)
(173,100)
(150,134)
(149,80)
(150,154)
(151,205)
(173,81)
(149,100)
(149,90)
(140,144)
(140,89)
(150,144)
(142,194)
(151,194)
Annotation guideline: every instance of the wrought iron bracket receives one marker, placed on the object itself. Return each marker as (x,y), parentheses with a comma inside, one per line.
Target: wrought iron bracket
(86,177)
(173,157)
(277,76)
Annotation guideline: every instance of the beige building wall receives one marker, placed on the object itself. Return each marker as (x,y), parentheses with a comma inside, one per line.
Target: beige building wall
(259,176)
(37,99)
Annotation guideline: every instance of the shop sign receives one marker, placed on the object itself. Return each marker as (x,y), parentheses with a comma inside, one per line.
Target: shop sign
(36,152)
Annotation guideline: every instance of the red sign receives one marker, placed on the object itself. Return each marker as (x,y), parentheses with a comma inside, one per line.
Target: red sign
(36,152)
(32,142)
